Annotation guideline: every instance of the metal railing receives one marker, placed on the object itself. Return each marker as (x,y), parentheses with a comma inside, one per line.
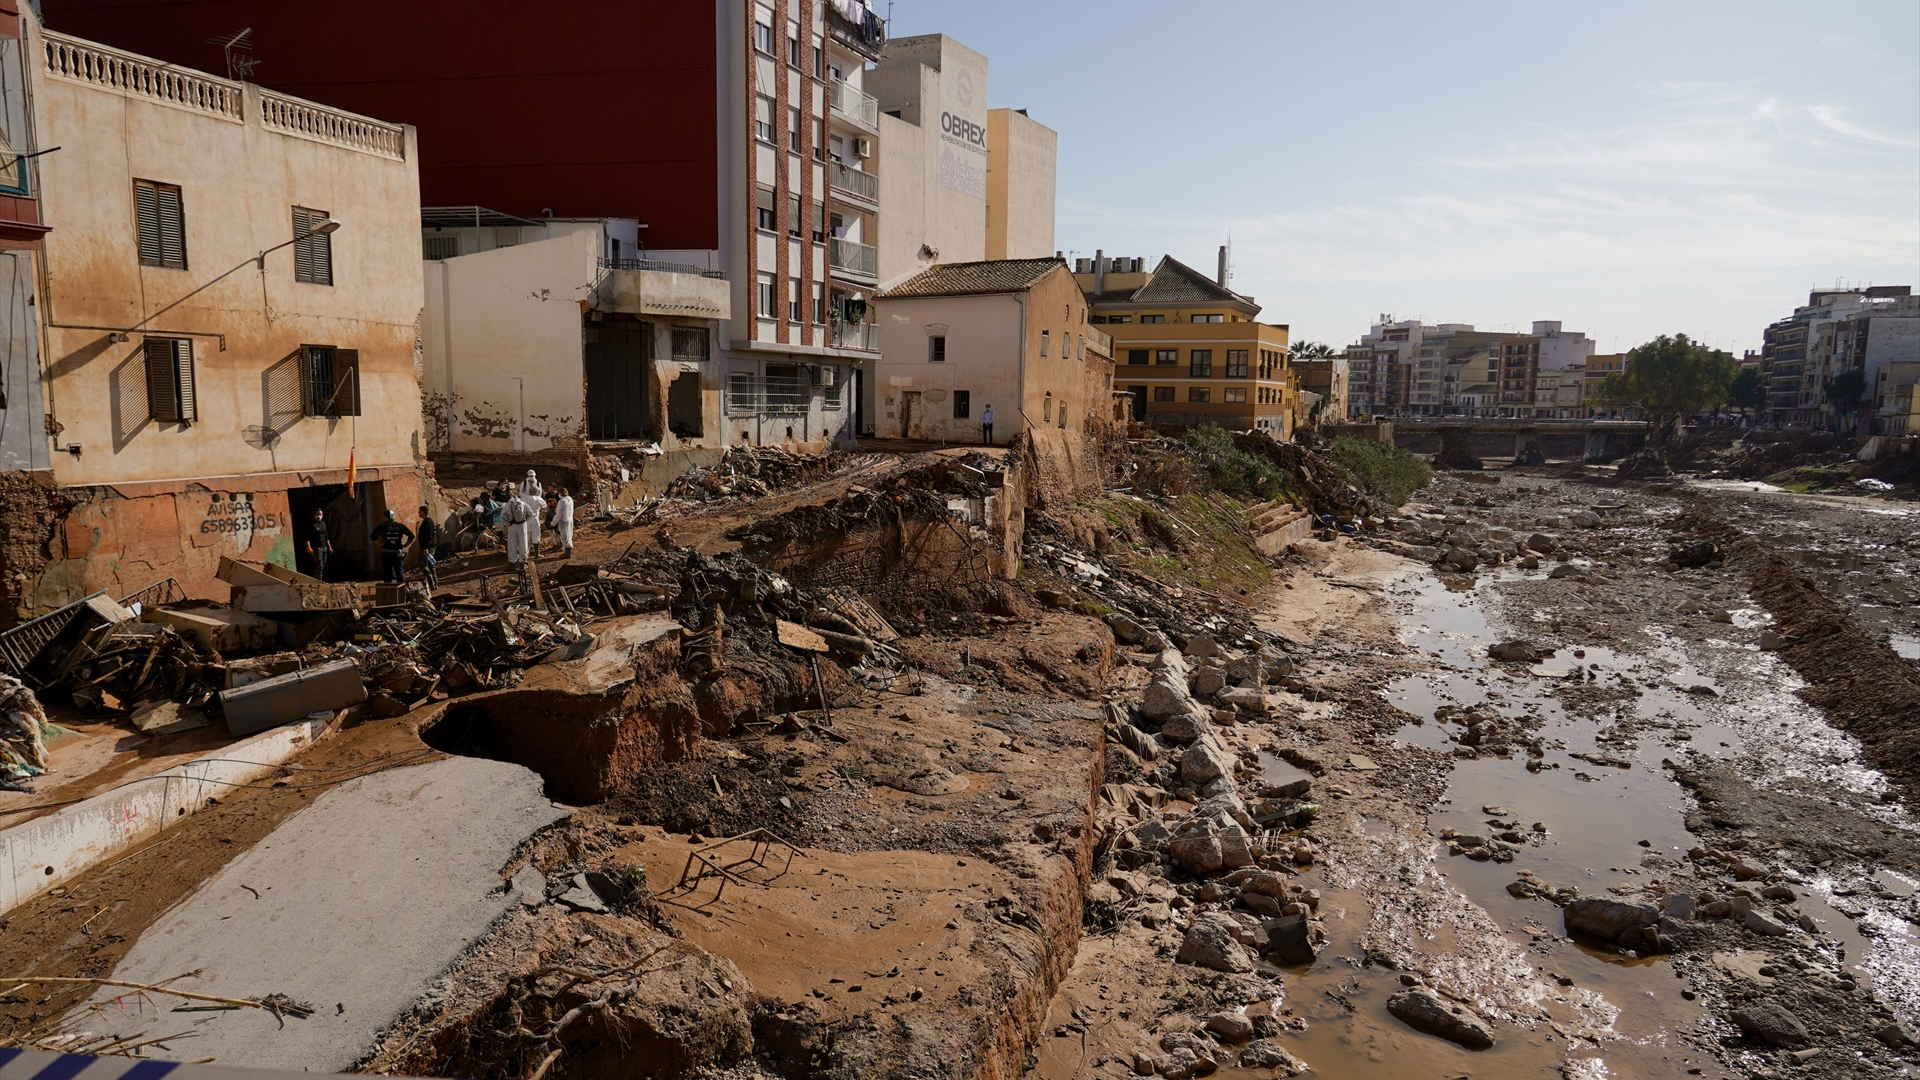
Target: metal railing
(861,108)
(863,35)
(855,182)
(853,257)
(660,267)
(775,395)
(140,76)
(848,335)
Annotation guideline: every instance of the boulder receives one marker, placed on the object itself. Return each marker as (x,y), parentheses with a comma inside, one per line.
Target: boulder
(1542,543)
(1515,652)
(1289,940)
(1233,1027)
(1236,848)
(1771,641)
(1201,647)
(1204,761)
(1126,630)
(1223,809)
(1760,923)
(1209,681)
(1185,1064)
(1267,1054)
(1167,696)
(1423,1010)
(1186,727)
(1585,519)
(1213,941)
(1283,780)
(1608,919)
(1198,852)
(1769,1023)
(1565,570)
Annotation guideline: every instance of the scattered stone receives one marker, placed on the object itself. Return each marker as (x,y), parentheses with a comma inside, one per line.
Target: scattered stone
(1213,941)
(1515,652)
(1758,922)
(1426,1011)
(1771,641)
(1609,919)
(1233,1027)
(1204,761)
(1895,1036)
(1770,1023)
(1126,630)
(1201,646)
(1209,681)
(1289,940)
(1361,762)
(1266,1054)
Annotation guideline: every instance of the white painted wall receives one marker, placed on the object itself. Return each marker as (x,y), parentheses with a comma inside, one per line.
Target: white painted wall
(1020,186)
(983,358)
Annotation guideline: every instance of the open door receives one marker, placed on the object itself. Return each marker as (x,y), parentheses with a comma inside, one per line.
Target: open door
(617,358)
(910,414)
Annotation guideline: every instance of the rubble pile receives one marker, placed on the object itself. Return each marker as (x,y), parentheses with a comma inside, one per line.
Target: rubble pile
(1504,529)
(753,471)
(1316,481)
(1143,612)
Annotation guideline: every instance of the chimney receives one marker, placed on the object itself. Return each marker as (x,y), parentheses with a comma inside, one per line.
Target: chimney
(1099,270)
(1222,278)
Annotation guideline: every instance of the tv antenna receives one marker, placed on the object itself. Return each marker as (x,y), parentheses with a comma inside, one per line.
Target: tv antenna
(239,65)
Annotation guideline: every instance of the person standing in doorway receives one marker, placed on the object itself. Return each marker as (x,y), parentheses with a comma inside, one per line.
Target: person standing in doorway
(426,537)
(515,515)
(315,542)
(986,426)
(393,538)
(562,519)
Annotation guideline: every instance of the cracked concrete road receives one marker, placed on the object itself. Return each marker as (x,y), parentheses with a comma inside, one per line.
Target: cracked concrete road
(354,905)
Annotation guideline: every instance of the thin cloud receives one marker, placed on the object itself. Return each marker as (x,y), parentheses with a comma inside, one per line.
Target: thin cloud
(1831,119)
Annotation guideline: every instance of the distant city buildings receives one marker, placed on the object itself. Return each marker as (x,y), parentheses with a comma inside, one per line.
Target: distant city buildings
(1874,331)
(1409,368)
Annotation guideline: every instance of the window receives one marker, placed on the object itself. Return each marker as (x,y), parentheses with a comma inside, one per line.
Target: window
(832,388)
(794,55)
(1236,363)
(160,221)
(820,139)
(1063,415)
(763,214)
(1201,365)
(763,119)
(1136,358)
(937,348)
(1166,357)
(796,221)
(819,305)
(1153,318)
(765,302)
(312,251)
(1046,408)
(170,397)
(742,395)
(763,32)
(1043,342)
(1199,394)
(795,309)
(819,223)
(440,247)
(689,343)
(962,404)
(1163,393)
(793,130)
(1208,318)
(819,62)
(333,381)
(1235,394)
(1119,319)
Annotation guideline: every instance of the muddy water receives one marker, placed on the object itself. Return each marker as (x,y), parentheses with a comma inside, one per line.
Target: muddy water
(1600,811)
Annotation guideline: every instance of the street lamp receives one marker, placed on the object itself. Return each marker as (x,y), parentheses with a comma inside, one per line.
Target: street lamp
(325,228)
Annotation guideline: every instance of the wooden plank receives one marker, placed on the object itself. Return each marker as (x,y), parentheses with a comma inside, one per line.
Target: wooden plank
(796,636)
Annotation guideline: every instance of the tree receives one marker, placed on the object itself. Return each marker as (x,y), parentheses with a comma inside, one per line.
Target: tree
(1845,390)
(1669,378)
(1749,390)
(1311,350)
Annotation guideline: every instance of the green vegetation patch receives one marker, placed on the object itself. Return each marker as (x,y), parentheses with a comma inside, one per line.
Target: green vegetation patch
(1380,469)
(1236,472)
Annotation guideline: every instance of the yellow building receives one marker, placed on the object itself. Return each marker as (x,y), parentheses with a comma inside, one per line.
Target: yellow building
(1188,349)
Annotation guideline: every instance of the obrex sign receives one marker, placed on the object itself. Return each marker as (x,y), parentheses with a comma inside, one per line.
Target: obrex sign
(964,129)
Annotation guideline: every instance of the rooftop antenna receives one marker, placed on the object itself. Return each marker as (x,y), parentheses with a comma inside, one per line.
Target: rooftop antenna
(239,65)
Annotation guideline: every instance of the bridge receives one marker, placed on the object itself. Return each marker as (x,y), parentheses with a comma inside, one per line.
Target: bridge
(1506,438)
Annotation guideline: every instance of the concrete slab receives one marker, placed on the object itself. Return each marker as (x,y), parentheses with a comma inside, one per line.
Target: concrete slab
(354,905)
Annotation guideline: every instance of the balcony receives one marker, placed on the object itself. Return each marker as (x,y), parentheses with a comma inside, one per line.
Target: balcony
(848,335)
(863,31)
(854,183)
(853,259)
(675,290)
(857,108)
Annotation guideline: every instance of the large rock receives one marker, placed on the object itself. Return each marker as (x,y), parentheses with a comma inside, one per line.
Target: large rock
(1223,810)
(1126,630)
(1244,698)
(1609,919)
(1289,940)
(1201,646)
(1167,696)
(1209,681)
(1426,1011)
(1204,761)
(1197,851)
(1213,941)
(1236,848)
(1267,1054)
(1186,727)
(1769,1023)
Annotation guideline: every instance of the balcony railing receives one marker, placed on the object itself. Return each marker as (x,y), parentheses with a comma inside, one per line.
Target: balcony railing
(853,257)
(847,335)
(139,76)
(321,124)
(854,182)
(854,105)
(660,267)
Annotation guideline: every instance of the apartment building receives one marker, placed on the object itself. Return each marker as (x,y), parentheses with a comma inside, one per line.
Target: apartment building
(1010,335)
(23,442)
(1326,379)
(1836,331)
(224,305)
(1187,349)
(1409,368)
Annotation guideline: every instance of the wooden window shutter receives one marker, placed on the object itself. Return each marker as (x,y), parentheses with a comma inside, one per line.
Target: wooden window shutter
(170,388)
(146,212)
(173,228)
(346,383)
(312,255)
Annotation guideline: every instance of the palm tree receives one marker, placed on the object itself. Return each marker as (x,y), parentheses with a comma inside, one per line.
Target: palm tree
(1311,350)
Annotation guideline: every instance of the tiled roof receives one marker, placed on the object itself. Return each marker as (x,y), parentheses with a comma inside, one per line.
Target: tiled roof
(1174,282)
(974,278)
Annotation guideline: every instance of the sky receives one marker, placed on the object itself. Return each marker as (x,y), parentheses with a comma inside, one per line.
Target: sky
(1629,168)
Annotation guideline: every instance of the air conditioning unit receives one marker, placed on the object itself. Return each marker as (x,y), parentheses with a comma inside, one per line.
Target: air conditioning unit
(862,146)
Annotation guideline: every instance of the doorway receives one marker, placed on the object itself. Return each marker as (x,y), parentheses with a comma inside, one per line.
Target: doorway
(910,414)
(350,522)
(618,356)
(683,405)
(1139,394)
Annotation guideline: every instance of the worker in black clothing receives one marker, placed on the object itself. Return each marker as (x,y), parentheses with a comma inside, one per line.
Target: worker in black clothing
(393,539)
(426,537)
(314,539)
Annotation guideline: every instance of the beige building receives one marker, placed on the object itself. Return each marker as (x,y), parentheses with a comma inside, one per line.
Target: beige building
(228,307)
(1021,157)
(1010,335)
(551,348)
